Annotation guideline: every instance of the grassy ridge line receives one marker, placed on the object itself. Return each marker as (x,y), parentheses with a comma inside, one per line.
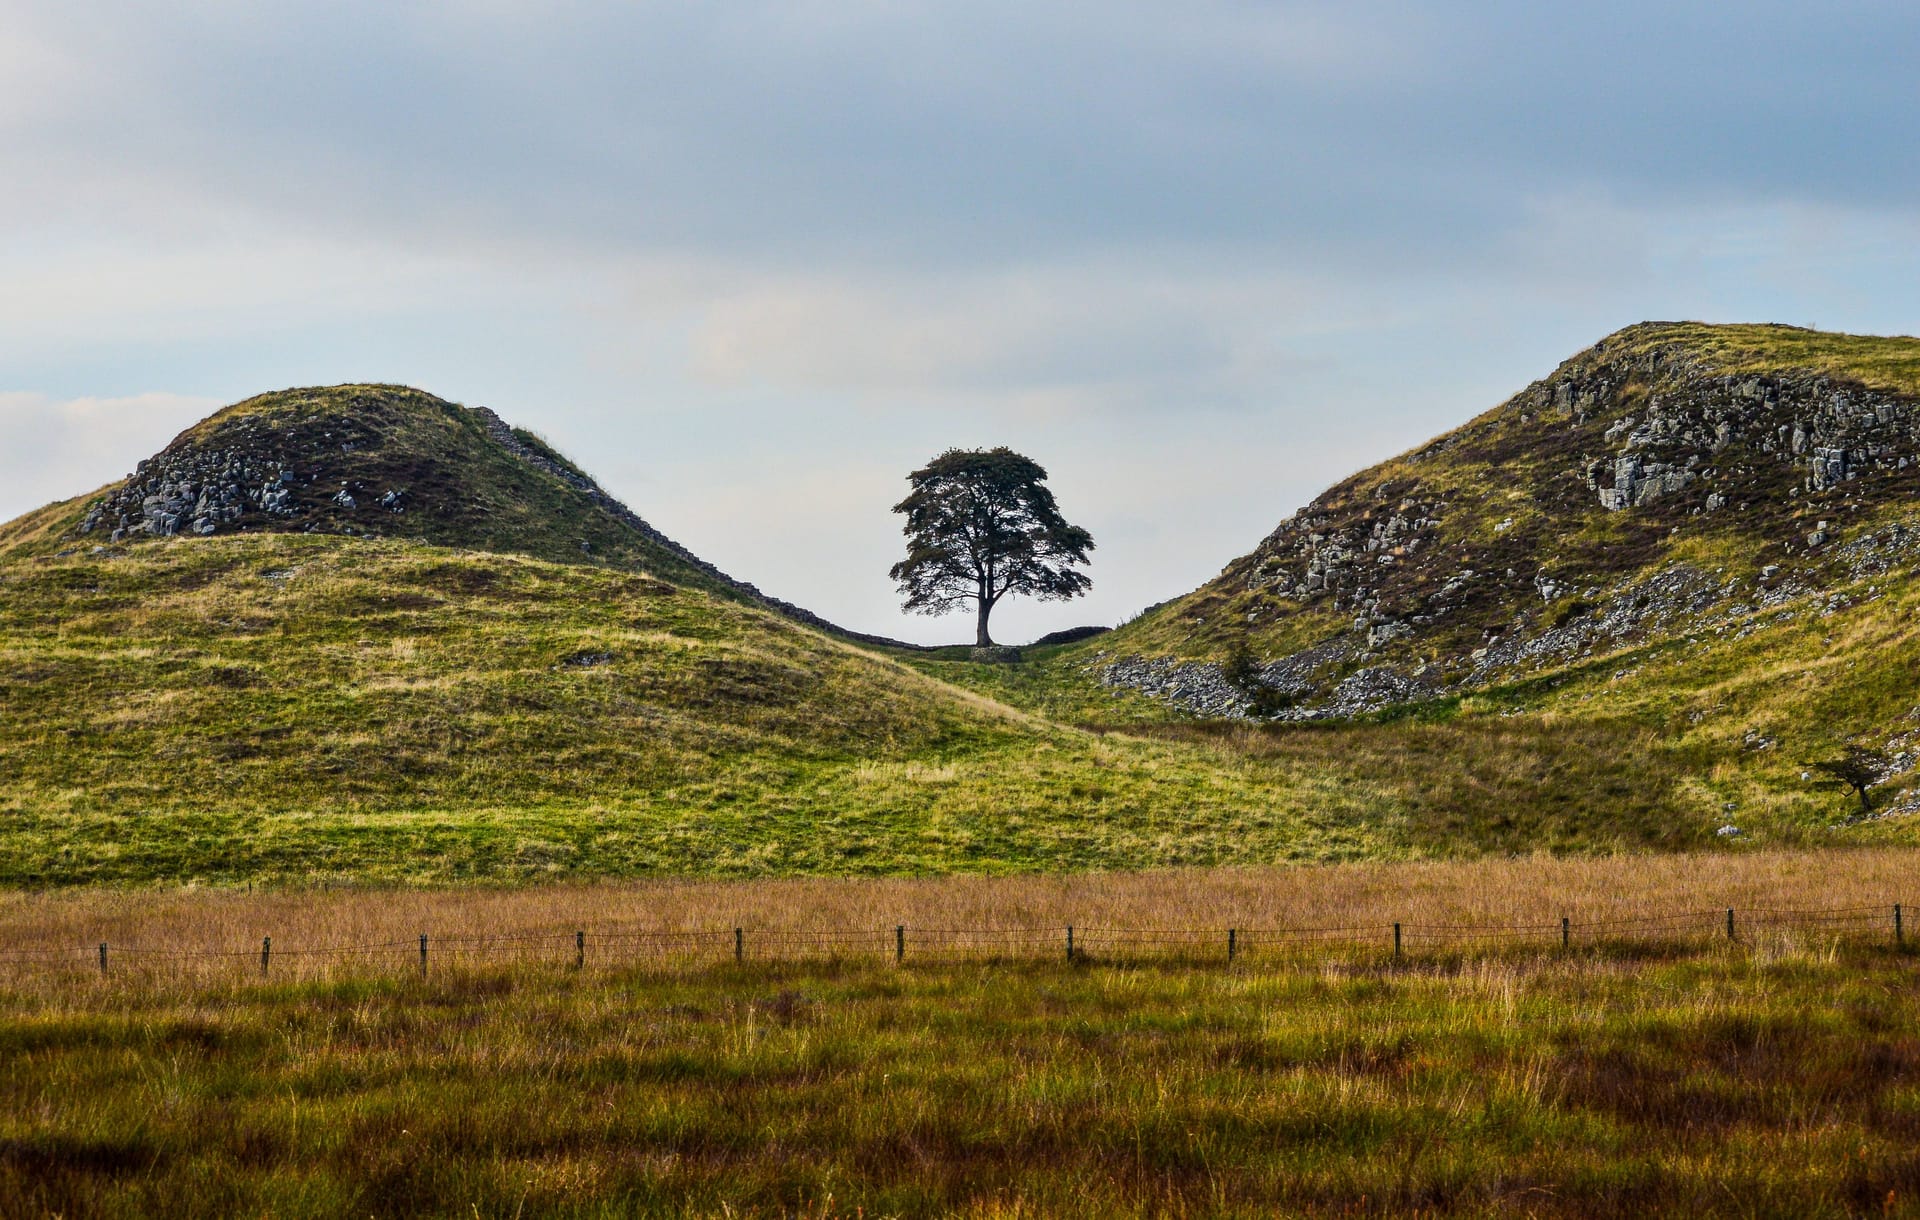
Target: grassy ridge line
(1884,362)
(1725,1082)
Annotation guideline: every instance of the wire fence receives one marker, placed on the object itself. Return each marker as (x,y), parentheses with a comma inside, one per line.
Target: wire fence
(581,947)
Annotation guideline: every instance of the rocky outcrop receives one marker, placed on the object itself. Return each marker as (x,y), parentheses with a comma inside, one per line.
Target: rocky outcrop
(194,490)
(247,470)
(1822,432)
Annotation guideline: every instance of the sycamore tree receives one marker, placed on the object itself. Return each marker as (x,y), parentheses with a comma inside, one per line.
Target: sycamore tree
(981,525)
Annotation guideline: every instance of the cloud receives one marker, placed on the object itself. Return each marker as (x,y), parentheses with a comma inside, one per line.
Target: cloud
(936,134)
(1107,336)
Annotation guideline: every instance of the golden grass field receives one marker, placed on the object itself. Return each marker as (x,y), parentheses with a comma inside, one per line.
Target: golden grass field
(815,916)
(1515,890)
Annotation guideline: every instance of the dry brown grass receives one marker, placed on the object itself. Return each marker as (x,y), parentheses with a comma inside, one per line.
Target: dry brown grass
(1438,902)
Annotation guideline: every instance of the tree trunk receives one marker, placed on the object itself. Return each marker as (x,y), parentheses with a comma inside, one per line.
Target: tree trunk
(981,638)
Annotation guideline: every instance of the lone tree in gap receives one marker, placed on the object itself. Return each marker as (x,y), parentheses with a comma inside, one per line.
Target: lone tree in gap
(981,524)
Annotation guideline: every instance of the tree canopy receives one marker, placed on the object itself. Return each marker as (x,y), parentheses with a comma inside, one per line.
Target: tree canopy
(981,524)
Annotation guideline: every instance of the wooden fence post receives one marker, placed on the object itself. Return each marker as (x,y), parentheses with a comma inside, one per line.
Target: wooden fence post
(899,943)
(103,957)
(1566,932)
(1730,935)
(1069,942)
(1899,933)
(1396,940)
(423,952)
(739,945)
(1232,936)
(266,951)
(579,949)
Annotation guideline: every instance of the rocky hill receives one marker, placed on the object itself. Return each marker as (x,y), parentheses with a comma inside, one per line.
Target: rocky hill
(1674,478)
(378,461)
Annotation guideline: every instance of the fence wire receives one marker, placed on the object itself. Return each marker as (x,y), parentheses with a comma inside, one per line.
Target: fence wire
(624,944)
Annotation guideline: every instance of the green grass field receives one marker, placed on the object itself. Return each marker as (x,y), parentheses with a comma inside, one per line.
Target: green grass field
(255,708)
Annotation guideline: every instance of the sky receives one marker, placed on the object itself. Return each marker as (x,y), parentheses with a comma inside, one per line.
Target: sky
(750,263)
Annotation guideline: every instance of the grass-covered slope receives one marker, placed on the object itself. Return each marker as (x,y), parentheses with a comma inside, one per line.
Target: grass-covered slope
(1749,614)
(243,707)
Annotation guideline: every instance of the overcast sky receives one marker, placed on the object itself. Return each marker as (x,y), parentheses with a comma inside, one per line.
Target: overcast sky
(751,263)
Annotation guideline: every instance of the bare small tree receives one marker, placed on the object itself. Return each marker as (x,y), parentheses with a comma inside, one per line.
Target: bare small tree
(1857,769)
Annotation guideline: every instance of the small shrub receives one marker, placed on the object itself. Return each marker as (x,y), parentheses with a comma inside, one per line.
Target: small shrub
(1244,674)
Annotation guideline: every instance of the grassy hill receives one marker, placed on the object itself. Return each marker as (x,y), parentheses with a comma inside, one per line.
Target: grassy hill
(361,461)
(378,461)
(287,706)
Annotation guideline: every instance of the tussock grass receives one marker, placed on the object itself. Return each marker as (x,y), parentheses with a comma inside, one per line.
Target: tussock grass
(1886,362)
